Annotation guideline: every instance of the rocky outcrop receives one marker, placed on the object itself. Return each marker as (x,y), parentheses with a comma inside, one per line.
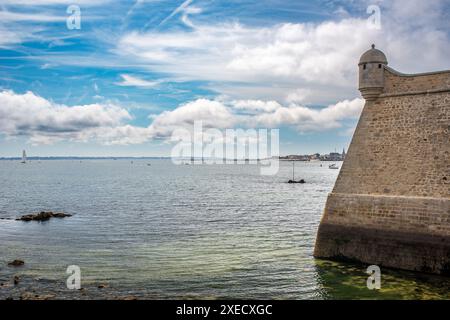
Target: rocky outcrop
(16,263)
(297,181)
(34,296)
(43,216)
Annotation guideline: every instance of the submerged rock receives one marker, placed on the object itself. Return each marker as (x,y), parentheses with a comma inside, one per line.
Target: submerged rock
(34,296)
(16,263)
(43,216)
(61,215)
(297,181)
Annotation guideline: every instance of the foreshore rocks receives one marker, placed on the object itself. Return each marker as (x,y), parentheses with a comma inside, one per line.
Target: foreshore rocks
(34,296)
(16,263)
(43,216)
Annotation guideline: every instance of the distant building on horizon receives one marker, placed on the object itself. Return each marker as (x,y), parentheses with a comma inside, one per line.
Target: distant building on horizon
(332,156)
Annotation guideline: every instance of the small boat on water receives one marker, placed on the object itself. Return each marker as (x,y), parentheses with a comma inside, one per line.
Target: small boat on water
(333,166)
(24,157)
(293,176)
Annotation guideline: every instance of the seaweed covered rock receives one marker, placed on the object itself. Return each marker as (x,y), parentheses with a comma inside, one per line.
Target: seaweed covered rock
(16,263)
(43,216)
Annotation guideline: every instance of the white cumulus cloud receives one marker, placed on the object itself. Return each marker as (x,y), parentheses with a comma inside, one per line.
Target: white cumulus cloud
(132,81)
(253,114)
(46,122)
(276,59)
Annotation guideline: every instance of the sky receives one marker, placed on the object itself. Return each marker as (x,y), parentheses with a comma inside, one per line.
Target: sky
(135,71)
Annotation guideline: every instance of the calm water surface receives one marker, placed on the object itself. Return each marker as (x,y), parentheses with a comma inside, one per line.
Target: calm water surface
(188,231)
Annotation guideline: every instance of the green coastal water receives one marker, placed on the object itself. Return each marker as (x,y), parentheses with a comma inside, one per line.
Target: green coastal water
(167,231)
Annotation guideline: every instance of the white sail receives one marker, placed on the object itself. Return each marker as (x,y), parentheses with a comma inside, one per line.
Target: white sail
(24,156)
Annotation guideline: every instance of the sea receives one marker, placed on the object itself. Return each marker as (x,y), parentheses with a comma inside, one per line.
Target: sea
(151,229)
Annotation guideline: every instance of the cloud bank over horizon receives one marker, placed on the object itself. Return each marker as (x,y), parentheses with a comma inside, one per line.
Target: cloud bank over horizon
(45,122)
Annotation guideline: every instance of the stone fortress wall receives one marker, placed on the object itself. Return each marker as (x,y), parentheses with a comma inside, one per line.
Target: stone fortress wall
(390,205)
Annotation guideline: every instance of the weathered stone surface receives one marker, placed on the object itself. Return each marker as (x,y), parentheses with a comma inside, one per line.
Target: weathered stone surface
(391,202)
(386,248)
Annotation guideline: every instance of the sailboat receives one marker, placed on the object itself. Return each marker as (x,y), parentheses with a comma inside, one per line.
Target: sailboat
(24,157)
(293,176)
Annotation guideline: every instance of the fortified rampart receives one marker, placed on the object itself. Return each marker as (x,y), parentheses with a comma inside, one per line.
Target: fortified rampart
(390,205)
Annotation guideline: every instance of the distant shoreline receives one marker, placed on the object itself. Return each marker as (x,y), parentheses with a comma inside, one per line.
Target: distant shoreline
(139,158)
(85,158)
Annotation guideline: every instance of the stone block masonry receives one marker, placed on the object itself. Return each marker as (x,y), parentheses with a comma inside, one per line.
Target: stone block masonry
(390,205)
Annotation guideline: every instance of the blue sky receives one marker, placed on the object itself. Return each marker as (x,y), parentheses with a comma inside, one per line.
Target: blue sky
(137,70)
